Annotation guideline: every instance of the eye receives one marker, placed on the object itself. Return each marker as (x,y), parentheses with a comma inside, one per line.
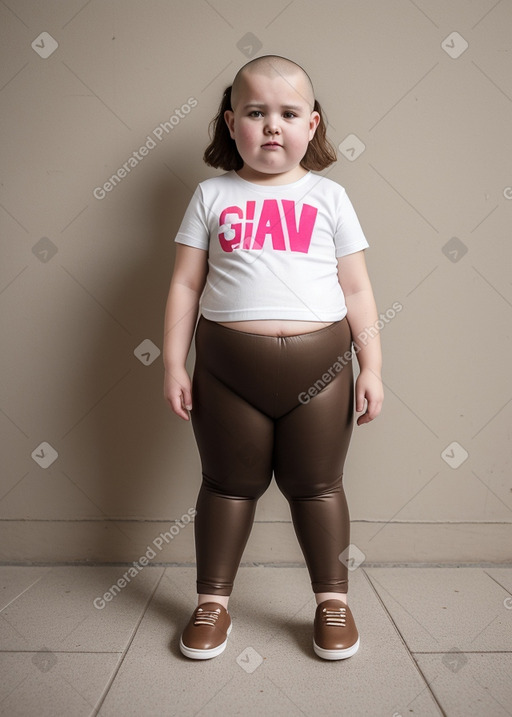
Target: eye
(255,113)
(289,114)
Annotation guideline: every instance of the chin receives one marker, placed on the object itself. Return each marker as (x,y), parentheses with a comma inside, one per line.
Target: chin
(274,168)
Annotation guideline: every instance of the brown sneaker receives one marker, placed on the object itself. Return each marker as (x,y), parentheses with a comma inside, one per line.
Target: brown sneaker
(335,632)
(206,634)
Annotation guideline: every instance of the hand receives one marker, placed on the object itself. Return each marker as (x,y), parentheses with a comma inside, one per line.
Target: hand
(178,392)
(369,388)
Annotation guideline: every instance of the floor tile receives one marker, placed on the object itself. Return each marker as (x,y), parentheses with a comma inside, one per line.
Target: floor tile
(58,611)
(503,576)
(439,609)
(15,579)
(47,684)
(470,685)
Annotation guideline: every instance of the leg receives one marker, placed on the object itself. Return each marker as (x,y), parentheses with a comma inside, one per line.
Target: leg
(311,443)
(235,475)
(322,597)
(235,441)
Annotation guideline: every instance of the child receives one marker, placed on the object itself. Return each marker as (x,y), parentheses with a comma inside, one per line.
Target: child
(275,253)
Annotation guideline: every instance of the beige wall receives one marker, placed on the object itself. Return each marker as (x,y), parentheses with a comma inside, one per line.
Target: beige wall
(84,278)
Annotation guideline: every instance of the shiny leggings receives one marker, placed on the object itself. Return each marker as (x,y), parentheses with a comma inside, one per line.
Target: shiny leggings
(263,406)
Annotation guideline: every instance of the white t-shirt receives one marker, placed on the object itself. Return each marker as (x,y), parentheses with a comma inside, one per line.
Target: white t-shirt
(272,250)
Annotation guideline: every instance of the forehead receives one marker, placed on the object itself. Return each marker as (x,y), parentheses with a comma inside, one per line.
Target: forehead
(283,85)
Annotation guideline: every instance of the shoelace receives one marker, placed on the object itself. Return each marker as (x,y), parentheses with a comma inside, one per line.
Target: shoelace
(335,618)
(206,617)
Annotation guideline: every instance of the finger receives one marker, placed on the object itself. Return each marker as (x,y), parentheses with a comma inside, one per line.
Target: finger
(359,400)
(177,407)
(187,399)
(365,418)
(372,411)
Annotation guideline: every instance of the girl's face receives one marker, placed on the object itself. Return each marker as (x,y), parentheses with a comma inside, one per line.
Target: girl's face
(272,125)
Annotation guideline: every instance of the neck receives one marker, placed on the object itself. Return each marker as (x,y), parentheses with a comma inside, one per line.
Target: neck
(251,175)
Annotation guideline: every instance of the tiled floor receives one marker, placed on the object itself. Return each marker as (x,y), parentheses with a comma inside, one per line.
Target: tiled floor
(434,641)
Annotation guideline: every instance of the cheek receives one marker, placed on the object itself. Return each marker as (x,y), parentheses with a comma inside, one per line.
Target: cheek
(245,134)
(301,139)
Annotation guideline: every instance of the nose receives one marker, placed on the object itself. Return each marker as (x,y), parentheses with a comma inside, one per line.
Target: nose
(272,127)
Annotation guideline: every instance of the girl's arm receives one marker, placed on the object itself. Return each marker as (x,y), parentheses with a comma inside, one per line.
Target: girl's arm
(187,283)
(361,316)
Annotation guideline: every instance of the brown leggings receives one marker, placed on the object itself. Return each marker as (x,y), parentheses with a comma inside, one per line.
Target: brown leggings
(266,405)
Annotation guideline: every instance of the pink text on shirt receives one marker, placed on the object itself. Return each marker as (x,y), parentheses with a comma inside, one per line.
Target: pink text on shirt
(248,228)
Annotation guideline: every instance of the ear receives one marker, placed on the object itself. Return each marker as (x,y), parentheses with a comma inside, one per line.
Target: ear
(229,117)
(314,121)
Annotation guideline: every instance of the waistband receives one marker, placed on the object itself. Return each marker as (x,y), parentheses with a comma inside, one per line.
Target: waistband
(318,333)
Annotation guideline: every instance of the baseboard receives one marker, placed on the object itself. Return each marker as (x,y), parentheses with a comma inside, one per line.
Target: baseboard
(125,541)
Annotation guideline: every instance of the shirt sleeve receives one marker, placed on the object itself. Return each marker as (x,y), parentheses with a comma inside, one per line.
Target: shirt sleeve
(194,230)
(349,236)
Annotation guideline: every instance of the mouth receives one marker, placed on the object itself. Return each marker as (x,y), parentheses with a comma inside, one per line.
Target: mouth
(271,144)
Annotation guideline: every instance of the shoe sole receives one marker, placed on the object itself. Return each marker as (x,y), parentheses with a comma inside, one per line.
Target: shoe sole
(336,654)
(195,654)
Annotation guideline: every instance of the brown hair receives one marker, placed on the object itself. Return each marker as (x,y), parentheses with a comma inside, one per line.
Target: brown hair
(222,153)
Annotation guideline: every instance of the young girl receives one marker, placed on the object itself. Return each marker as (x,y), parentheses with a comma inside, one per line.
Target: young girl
(275,256)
